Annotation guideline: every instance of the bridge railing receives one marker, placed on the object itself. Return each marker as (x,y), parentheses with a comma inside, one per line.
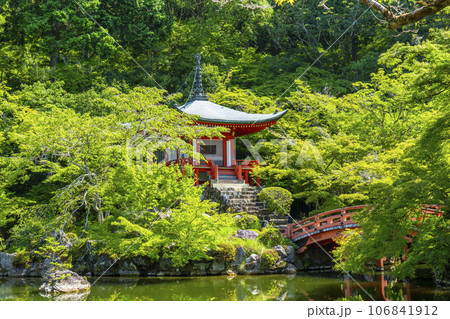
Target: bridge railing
(334,218)
(339,218)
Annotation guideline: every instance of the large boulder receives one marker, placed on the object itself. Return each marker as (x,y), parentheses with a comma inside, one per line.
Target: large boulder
(290,251)
(145,266)
(246,234)
(64,281)
(281,252)
(239,257)
(217,267)
(290,269)
(6,263)
(41,268)
(127,268)
(200,269)
(252,263)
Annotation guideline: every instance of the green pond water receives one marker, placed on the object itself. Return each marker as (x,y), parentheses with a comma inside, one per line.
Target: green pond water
(321,286)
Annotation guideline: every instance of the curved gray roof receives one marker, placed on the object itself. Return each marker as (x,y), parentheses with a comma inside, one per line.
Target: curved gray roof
(215,113)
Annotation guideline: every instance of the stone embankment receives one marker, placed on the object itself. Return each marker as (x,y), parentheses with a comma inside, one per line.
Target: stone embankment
(90,264)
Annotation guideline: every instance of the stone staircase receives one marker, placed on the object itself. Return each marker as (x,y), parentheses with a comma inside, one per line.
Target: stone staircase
(226,176)
(244,198)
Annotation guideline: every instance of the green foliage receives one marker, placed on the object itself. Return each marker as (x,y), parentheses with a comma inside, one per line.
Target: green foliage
(22,259)
(67,169)
(367,123)
(278,200)
(269,259)
(184,232)
(272,237)
(249,246)
(247,221)
(224,252)
(57,253)
(422,178)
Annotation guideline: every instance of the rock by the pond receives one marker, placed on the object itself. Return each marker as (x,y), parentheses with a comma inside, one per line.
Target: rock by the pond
(199,269)
(127,268)
(239,256)
(290,251)
(6,263)
(252,263)
(217,268)
(246,234)
(64,281)
(281,252)
(290,269)
(40,269)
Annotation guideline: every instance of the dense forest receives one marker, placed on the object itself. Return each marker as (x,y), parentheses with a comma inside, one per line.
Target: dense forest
(368,121)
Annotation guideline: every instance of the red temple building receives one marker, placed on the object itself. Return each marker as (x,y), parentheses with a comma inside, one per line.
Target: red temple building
(221,165)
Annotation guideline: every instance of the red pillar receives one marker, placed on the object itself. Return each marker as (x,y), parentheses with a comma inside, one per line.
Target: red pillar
(233,155)
(225,152)
(380,263)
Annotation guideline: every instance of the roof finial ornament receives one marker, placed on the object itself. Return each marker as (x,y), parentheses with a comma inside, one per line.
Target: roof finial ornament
(198,86)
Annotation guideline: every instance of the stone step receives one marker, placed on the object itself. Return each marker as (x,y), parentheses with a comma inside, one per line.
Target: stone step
(283,220)
(233,193)
(233,200)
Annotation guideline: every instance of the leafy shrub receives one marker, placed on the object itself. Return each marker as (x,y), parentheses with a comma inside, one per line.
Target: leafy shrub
(278,200)
(248,221)
(22,259)
(269,259)
(271,237)
(224,252)
(57,253)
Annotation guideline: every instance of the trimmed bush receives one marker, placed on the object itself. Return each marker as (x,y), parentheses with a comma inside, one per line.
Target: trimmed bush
(278,200)
(248,221)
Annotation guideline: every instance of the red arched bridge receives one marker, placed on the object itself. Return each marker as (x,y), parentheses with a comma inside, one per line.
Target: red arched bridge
(325,227)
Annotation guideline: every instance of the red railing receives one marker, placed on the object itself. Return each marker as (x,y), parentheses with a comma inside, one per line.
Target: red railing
(237,171)
(243,169)
(329,225)
(247,167)
(182,161)
(213,168)
(333,219)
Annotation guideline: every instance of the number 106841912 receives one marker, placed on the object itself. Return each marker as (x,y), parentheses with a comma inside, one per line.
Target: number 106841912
(403,310)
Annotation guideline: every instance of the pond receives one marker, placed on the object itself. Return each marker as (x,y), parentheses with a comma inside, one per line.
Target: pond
(302,287)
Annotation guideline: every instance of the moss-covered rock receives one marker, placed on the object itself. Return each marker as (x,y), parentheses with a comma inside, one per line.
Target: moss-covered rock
(64,281)
(224,252)
(269,259)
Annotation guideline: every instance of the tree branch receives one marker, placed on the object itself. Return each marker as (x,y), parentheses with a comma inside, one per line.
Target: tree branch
(396,21)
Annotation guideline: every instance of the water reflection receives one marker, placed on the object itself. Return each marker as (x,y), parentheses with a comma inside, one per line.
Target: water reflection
(330,286)
(386,289)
